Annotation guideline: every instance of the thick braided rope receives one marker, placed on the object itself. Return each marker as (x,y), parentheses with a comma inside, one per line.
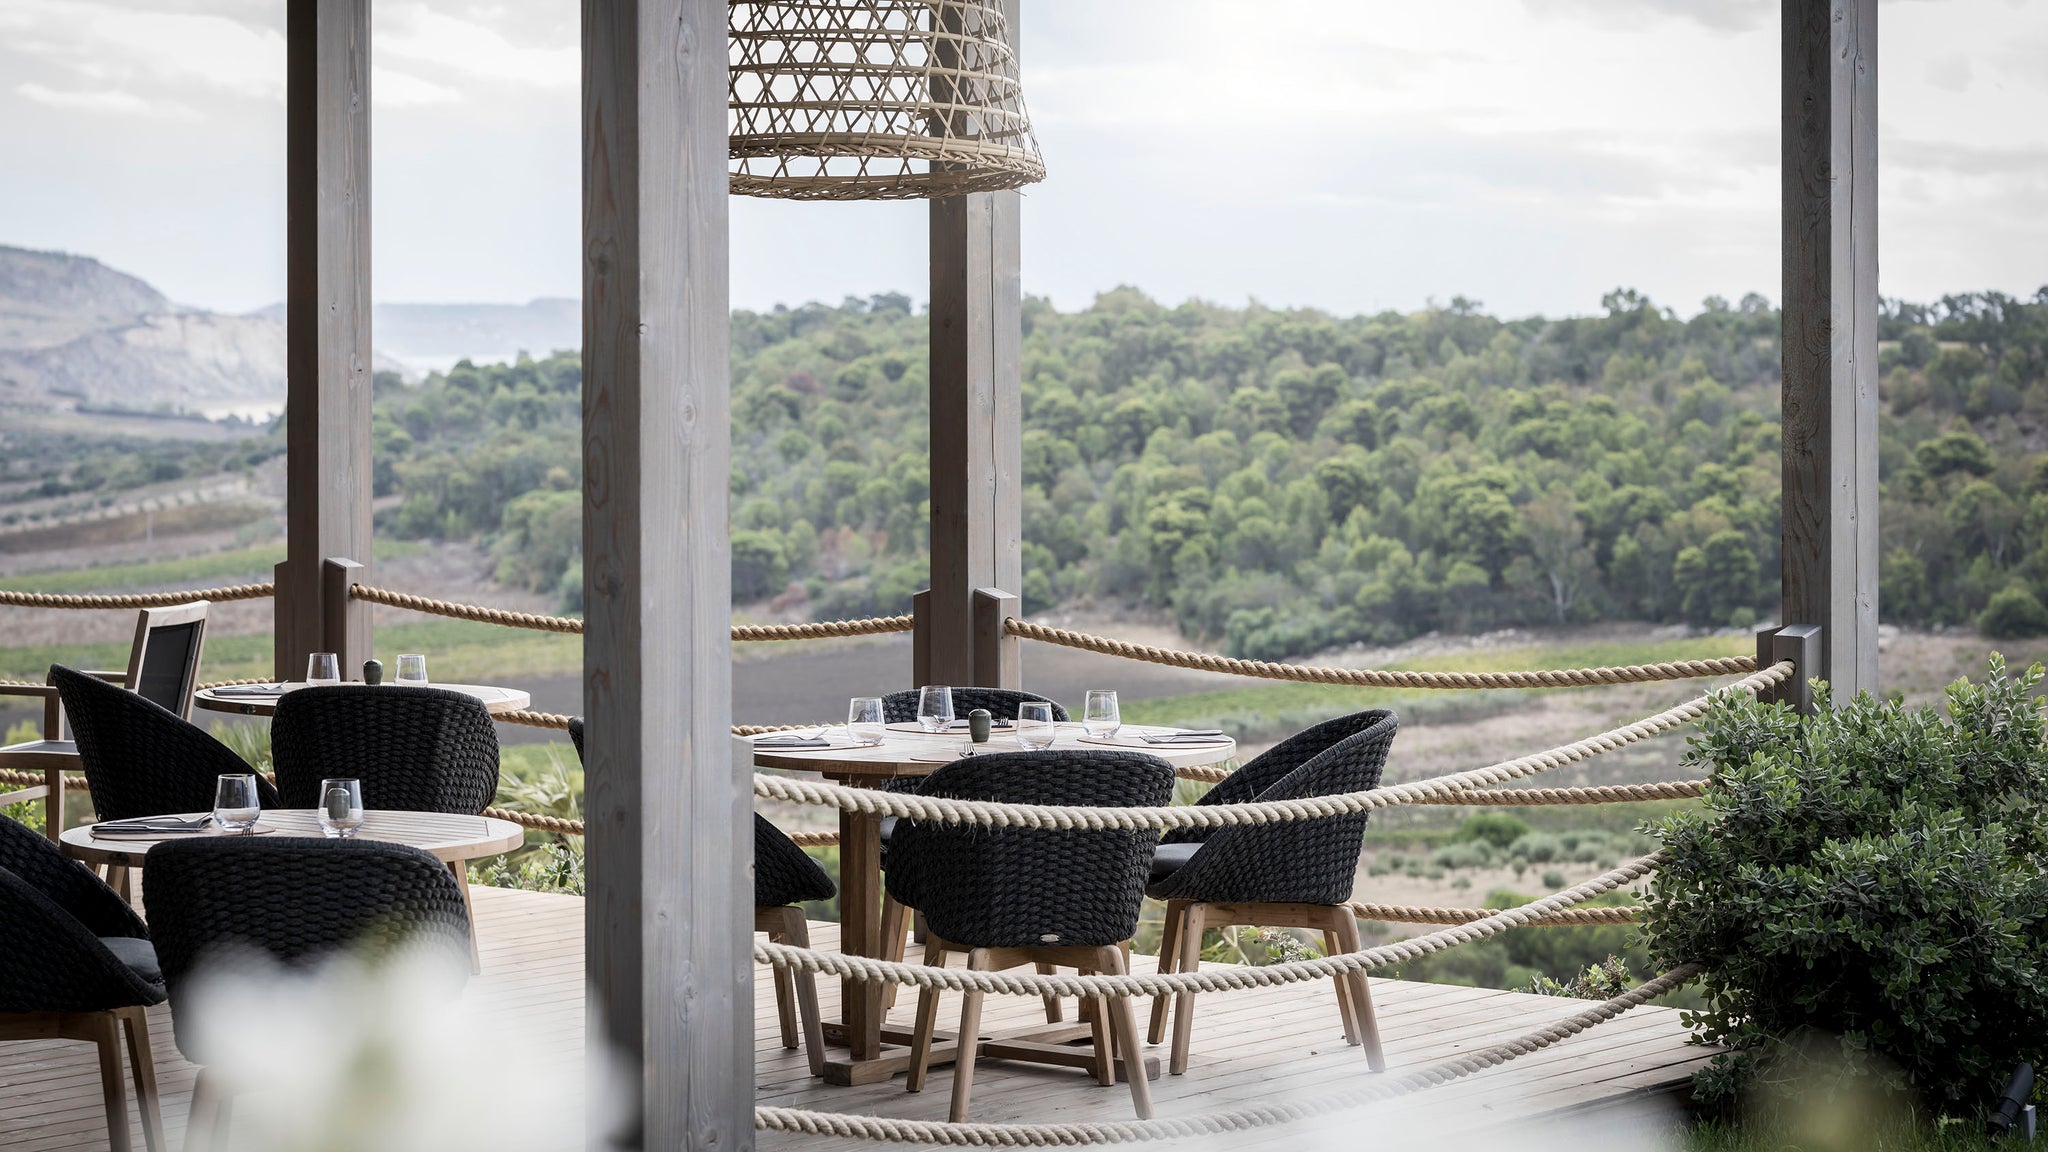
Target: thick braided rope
(744,633)
(1213,1123)
(137,599)
(537,822)
(1602,794)
(1202,980)
(1383,678)
(1419,914)
(875,802)
(12,778)
(814,839)
(535,719)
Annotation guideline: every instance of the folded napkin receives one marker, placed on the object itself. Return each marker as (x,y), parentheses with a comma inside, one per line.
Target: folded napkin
(792,742)
(249,690)
(153,827)
(1183,737)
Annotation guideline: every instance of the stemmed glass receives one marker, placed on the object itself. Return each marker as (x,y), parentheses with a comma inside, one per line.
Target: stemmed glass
(1098,715)
(1034,725)
(341,807)
(864,720)
(235,807)
(412,669)
(935,707)
(323,668)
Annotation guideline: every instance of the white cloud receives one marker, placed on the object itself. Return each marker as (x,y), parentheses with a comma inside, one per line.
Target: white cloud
(390,88)
(108,100)
(427,36)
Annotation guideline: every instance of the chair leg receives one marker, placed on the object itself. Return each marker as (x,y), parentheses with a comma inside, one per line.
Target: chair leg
(1053,1012)
(1125,1020)
(1184,1003)
(105,1031)
(206,1126)
(1332,944)
(1361,998)
(926,1022)
(1098,1021)
(785,986)
(893,932)
(970,1044)
(807,996)
(142,1064)
(1169,956)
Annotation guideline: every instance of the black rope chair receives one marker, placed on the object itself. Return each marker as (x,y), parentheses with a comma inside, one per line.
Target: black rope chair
(222,906)
(784,877)
(414,749)
(76,963)
(1048,897)
(901,707)
(141,759)
(1286,874)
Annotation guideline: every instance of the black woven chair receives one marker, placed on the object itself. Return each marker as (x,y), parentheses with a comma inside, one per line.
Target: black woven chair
(1012,896)
(414,749)
(901,707)
(784,876)
(140,759)
(76,963)
(219,904)
(1287,874)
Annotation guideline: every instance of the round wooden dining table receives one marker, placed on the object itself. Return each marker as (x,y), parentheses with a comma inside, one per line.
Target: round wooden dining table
(872,1053)
(261,699)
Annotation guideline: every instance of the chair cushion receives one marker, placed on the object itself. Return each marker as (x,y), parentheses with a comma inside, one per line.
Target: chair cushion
(138,955)
(1170,858)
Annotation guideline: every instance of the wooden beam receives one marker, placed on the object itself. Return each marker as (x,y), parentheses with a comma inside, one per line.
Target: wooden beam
(669,919)
(977,407)
(1829,94)
(327,294)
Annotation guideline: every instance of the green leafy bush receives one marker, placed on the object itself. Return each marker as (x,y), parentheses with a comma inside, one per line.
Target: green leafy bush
(1871,873)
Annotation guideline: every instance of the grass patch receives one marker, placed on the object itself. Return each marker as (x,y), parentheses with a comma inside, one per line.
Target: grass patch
(458,651)
(240,565)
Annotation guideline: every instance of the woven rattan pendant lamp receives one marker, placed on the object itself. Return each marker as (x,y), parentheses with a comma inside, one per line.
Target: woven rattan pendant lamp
(876,100)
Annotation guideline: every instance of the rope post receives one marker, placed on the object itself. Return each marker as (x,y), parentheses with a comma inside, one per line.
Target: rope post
(997,663)
(1801,644)
(344,620)
(921,639)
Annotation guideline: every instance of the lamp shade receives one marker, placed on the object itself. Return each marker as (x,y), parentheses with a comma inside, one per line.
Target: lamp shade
(876,100)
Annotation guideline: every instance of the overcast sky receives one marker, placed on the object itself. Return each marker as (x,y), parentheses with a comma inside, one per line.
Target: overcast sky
(1343,154)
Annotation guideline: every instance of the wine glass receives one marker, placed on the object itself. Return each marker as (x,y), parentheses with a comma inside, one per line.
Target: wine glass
(235,807)
(1098,715)
(412,669)
(341,807)
(935,707)
(1034,724)
(323,668)
(864,720)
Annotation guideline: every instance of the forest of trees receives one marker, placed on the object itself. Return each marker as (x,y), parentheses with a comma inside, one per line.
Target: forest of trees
(1287,481)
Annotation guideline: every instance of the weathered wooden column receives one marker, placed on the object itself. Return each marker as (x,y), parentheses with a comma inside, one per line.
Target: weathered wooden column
(327,293)
(977,406)
(669,920)
(1830,332)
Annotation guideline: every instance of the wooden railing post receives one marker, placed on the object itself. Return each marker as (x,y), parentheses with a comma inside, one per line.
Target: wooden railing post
(921,639)
(1801,644)
(996,660)
(345,620)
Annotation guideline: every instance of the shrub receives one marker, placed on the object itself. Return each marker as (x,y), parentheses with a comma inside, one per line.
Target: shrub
(1869,873)
(1496,828)
(2013,612)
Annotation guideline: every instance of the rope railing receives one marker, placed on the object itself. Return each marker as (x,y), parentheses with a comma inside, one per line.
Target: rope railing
(741,633)
(844,1125)
(1378,677)
(136,599)
(875,802)
(1233,978)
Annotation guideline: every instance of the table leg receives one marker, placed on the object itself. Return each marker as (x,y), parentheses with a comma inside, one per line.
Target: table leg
(461,870)
(860,901)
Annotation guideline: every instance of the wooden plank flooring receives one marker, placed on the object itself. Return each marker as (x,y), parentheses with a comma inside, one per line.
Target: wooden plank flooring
(1250,1048)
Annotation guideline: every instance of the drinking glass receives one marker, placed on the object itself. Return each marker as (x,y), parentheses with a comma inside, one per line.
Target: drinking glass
(412,669)
(341,807)
(323,668)
(1034,724)
(864,720)
(235,807)
(935,707)
(1098,715)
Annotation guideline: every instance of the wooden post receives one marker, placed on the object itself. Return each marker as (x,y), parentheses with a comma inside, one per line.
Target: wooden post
(345,621)
(977,405)
(921,639)
(1830,332)
(1801,644)
(327,291)
(669,920)
(996,660)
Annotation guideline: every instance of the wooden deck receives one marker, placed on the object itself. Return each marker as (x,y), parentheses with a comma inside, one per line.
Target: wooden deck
(1250,1047)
